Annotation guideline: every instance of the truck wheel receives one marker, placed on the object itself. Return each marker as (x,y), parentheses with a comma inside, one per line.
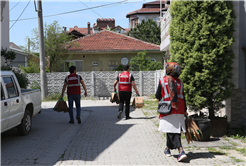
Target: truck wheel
(26,124)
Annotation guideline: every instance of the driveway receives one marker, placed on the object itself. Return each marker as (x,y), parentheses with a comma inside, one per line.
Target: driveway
(101,139)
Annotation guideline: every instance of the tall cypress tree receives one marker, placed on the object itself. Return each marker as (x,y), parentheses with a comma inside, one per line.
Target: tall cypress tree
(147,31)
(201,34)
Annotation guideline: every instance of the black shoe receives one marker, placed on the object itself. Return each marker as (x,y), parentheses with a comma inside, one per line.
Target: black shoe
(79,120)
(119,115)
(72,122)
(128,117)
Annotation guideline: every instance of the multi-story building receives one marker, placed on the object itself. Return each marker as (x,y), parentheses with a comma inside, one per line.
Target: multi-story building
(150,10)
(4,26)
(235,106)
(101,24)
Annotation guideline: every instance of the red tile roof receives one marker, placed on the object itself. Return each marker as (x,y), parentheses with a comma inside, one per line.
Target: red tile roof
(81,30)
(145,10)
(111,41)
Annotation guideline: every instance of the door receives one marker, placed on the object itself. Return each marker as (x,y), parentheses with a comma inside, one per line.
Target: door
(4,110)
(14,101)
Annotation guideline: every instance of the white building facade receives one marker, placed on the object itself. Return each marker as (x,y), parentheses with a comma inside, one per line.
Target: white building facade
(4,26)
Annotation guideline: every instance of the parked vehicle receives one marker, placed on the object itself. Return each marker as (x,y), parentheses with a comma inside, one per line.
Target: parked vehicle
(18,106)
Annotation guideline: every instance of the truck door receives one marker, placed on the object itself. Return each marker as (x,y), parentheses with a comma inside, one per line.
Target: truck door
(14,101)
(4,110)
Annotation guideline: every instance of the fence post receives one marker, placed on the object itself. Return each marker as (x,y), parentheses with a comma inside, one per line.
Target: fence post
(156,80)
(92,84)
(117,73)
(141,83)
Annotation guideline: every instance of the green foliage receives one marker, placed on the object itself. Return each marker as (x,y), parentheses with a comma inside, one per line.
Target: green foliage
(21,77)
(201,34)
(32,67)
(119,68)
(147,31)
(9,56)
(54,97)
(55,42)
(141,62)
(35,85)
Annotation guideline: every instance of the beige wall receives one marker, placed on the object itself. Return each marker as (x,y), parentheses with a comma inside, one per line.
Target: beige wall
(104,58)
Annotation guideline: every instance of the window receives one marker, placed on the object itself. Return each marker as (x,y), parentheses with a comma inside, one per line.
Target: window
(2,93)
(77,63)
(152,59)
(10,86)
(94,63)
(113,63)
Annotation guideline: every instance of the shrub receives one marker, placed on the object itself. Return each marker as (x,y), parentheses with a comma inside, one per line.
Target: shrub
(21,77)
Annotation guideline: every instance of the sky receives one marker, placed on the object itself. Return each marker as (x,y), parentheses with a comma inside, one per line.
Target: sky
(23,9)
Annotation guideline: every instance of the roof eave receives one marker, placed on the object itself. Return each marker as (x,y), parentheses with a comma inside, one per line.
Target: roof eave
(112,51)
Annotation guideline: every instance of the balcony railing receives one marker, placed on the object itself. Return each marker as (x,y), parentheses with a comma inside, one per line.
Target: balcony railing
(165,22)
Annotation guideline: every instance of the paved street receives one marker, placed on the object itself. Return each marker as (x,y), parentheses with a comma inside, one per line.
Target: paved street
(102,139)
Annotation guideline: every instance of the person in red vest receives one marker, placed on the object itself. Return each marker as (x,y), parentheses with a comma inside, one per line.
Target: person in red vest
(171,88)
(72,82)
(126,82)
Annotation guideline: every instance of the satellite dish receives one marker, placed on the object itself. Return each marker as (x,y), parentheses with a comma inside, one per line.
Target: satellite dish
(124,61)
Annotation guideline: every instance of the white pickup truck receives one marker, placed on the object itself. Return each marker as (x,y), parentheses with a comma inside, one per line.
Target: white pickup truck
(18,106)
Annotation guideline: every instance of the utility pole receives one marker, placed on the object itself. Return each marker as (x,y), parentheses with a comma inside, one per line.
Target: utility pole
(43,77)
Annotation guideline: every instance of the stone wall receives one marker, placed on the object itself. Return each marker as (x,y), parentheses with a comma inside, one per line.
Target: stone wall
(236,109)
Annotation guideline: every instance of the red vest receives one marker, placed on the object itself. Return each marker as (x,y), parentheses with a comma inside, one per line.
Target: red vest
(125,83)
(73,84)
(166,97)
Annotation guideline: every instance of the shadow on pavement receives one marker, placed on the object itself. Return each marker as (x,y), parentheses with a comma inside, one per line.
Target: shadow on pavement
(194,156)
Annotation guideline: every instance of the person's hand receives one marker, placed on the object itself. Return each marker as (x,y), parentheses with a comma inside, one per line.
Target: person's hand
(61,95)
(138,94)
(186,114)
(85,94)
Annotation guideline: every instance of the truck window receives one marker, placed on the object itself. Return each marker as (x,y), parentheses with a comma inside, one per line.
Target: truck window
(10,86)
(2,93)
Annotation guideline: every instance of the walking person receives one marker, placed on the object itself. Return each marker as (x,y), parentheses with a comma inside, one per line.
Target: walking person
(171,88)
(126,82)
(72,82)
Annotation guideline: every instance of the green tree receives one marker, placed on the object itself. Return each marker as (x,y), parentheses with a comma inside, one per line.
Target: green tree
(201,34)
(147,31)
(56,40)
(9,56)
(32,67)
(141,62)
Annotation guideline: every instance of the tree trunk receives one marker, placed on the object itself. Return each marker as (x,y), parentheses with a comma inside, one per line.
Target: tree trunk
(211,109)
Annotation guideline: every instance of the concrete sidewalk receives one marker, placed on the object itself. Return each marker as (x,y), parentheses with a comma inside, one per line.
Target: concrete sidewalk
(102,139)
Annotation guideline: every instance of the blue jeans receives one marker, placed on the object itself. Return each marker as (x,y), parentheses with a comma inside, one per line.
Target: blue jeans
(75,98)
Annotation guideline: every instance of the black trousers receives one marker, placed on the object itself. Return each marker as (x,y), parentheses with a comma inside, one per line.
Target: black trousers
(173,140)
(125,97)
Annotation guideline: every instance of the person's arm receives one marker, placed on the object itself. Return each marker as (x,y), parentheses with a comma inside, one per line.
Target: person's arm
(83,84)
(115,83)
(135,87)
(64,88)
(158,92)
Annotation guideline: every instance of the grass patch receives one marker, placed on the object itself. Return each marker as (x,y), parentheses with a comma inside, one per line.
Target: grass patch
(150,105)
(242,150)
(236,160)
(56,96)
(234,143)
(215,152)
(226,147)
(239,133)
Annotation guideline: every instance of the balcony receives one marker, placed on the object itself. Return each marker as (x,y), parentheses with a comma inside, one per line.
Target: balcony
(165,38)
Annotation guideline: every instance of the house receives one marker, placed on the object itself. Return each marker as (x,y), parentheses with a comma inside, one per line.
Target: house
(4,27)
(105,50)
(235,106)
(101,24)
(150,10)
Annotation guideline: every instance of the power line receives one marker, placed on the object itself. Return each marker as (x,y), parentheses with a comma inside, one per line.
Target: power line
(115,5)
(72,11)
(20,15)
(15,5)
(91,9)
